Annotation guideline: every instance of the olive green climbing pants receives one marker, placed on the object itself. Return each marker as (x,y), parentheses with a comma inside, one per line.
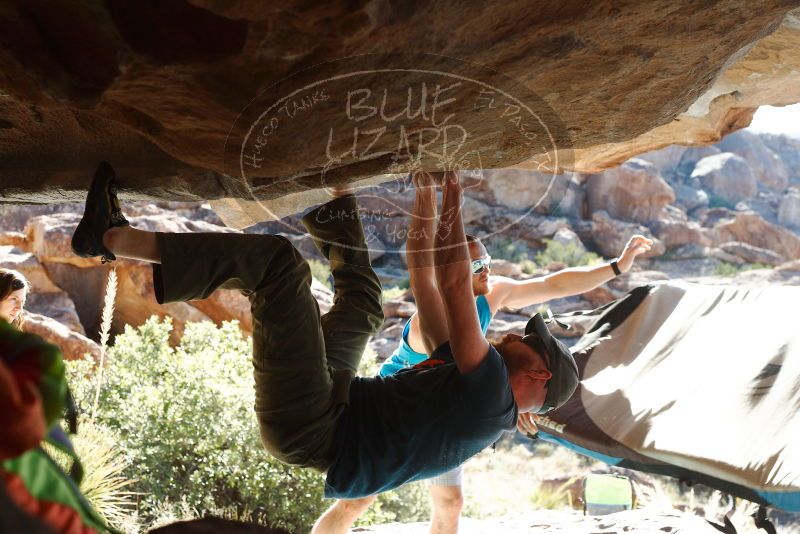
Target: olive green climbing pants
(303,363)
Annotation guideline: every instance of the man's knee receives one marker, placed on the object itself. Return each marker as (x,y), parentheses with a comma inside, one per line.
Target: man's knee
(285,261)
(356,507)
(447,499)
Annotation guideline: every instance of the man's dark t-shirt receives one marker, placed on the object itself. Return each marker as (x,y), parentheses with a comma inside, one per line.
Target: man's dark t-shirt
(418,424)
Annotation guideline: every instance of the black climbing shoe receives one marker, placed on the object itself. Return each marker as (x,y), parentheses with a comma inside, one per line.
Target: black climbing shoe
(102,212)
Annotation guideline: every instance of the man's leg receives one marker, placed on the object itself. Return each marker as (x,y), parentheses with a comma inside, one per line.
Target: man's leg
(447,504)
(448,500)
(341,515)
(131,243)
(357,312)
(293,384)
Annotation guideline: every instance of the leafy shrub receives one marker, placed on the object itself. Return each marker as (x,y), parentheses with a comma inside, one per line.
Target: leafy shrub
(570,254)
(369,365)
(321,271)
(528,266)
(406,504)
(730,269)
(395,292)
(184,416)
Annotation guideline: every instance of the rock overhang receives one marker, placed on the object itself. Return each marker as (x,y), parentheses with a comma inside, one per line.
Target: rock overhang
(159,89)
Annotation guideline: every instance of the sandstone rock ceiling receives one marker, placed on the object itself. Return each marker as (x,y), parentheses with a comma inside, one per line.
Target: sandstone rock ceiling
(159,87)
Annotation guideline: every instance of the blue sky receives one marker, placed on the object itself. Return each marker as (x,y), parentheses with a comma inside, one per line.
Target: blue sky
(785,120)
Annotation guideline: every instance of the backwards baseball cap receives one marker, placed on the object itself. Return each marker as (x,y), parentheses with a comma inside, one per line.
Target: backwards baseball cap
(559,361)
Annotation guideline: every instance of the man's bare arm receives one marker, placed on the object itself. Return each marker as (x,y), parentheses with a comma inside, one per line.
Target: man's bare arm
(454,278)
(422,277)
(564,283)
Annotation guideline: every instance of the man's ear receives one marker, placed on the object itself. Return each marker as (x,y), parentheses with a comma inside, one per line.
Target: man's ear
(539,374)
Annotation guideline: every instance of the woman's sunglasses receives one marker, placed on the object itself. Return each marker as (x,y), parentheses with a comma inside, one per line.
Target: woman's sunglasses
(481,264)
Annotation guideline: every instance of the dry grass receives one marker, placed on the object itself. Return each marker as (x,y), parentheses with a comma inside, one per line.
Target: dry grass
(105,331)
(511,480)
(105,484)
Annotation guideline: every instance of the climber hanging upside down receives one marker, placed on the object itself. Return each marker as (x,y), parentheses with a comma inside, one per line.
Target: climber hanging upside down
(367,434)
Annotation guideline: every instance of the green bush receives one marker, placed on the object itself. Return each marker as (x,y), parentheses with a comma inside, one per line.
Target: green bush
(730,269)
(321,271)
(395,292)
(184,417)
(528,266)
(570,254)
(407,504)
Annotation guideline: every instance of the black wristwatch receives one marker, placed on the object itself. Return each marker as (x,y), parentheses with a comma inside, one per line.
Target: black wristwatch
(614,266)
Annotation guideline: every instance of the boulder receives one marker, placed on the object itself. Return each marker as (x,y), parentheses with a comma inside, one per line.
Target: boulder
(58,306)
(790,267)
(386,341)
(727,176)
(675,213)
(49,239)
(526,190)
(712,216)
(14,239)
(473,210)
(501,267)
(768,168)
(635,278)
(531,228)
(573,203)
(751,228)
(506,323)
(610,236)
(689,251)
(566,236)
(15,217)
(27,264)
(727,257)
(690,198)
(751,254)
(665,160)
(678,233)
(633,191)
(398,308)
(690,157)
(73,345)
(600,295)
(789,209)
(557,306)
(788,149)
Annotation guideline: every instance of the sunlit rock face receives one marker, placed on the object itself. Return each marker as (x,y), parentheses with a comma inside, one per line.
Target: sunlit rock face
(170,92)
